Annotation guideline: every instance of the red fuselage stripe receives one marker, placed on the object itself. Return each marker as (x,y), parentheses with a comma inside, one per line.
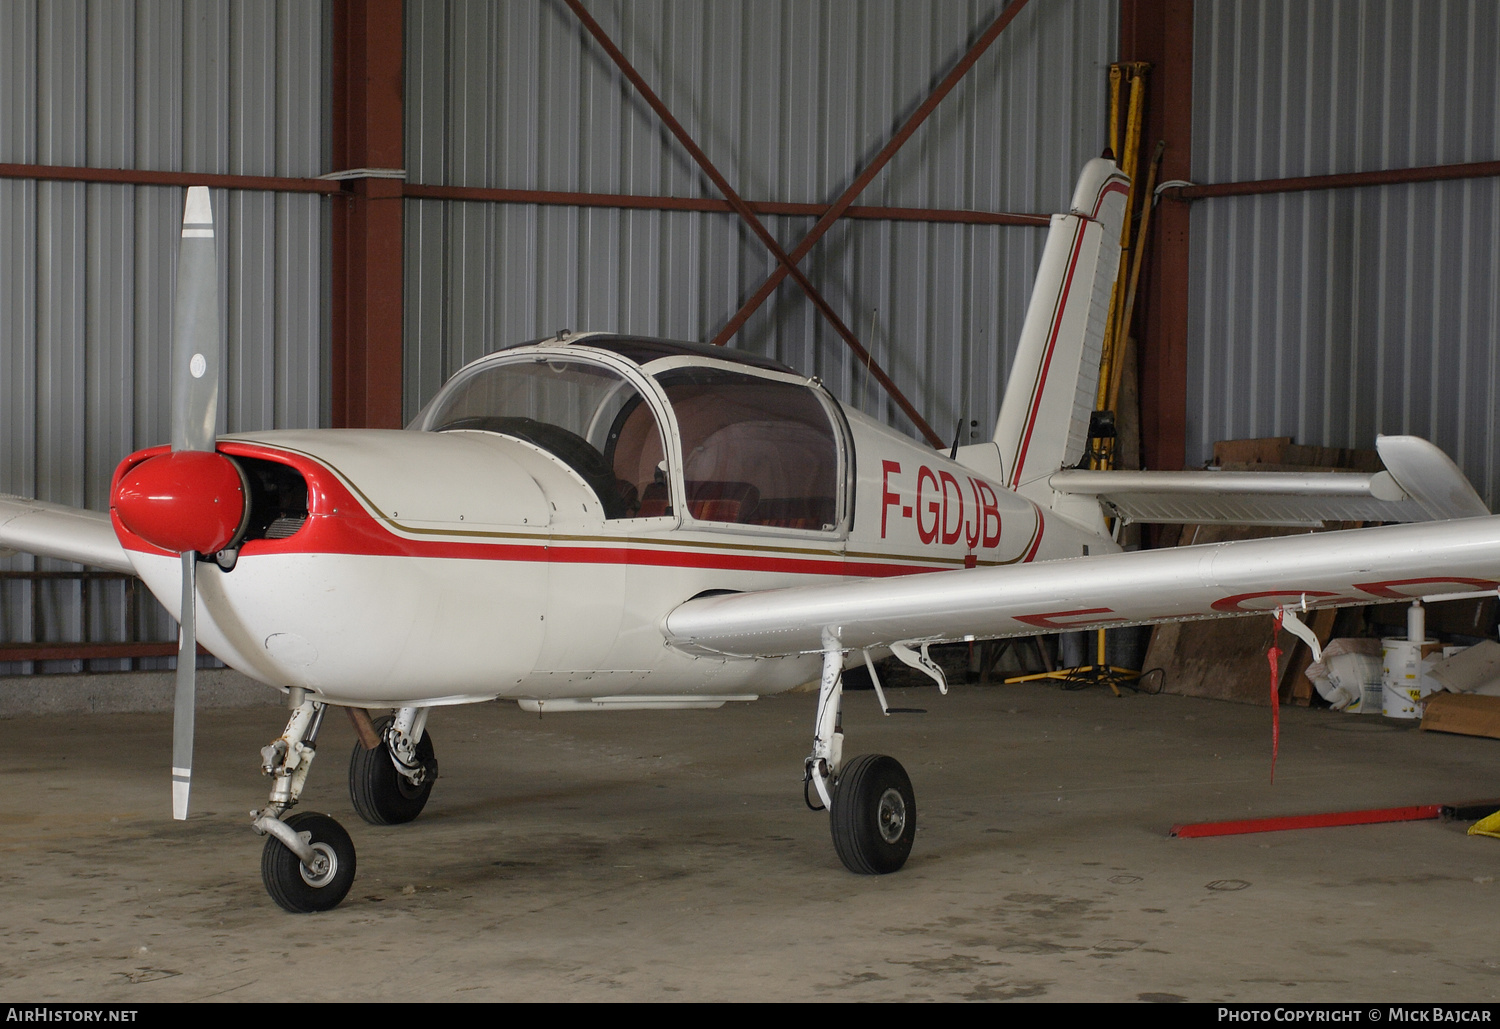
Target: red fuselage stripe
(1036,544)
(354,531)
(398,546)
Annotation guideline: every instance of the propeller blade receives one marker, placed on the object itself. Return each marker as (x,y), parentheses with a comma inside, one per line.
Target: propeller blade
(195,329)
(182,710)
(195,411)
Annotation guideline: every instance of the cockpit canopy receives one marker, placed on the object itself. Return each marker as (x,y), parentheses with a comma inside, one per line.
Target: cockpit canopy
(755,445)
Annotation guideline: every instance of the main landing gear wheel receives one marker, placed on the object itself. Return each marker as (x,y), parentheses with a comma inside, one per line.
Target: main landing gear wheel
(300,888)
(382,795)
(874,816)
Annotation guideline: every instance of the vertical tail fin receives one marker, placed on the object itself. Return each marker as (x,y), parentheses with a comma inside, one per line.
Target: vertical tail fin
(1044,419)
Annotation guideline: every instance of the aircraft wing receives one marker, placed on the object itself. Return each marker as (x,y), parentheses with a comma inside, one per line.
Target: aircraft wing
(69,533)
(1355,566)
(1420,483)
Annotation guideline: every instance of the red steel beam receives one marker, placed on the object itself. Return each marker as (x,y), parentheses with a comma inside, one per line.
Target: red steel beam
(787,265)
(87,651)
(1392,177)
(494,195)
(485,194)
(842,204)
(1160,32)
(631,201)
(74,576)
(367,275)
(135,177)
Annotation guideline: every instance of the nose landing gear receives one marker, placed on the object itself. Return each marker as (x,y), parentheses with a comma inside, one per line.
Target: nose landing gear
(308,861)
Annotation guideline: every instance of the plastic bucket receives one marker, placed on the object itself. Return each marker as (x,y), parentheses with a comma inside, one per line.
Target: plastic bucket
(1401,675)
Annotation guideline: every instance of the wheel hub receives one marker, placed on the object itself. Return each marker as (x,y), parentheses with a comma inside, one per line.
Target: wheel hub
(891,815)
(324,867)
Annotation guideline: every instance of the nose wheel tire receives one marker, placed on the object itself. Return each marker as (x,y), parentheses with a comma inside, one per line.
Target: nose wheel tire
(382,795)
(874,815)
(300,888)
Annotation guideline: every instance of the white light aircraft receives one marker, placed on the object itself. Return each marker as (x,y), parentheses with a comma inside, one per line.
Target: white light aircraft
(608,522)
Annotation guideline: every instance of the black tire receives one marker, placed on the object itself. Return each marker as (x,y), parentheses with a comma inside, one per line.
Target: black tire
(874,816)
(382,795)
(295,887)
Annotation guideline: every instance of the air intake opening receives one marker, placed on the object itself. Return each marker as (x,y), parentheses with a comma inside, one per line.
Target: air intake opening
(278,499)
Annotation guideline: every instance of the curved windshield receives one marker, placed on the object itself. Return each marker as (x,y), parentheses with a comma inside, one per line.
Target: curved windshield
(755,451)
(588,416)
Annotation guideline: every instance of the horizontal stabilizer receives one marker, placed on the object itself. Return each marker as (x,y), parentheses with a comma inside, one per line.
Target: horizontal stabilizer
(1420,484)
(1308,499)
(69,533)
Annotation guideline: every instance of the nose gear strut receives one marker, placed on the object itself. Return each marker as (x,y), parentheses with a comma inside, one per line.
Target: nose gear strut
(308,860)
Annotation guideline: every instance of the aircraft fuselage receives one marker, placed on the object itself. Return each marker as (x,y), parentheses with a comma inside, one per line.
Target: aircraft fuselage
(437,567)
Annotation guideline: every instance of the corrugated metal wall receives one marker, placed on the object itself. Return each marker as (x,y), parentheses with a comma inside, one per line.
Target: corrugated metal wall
(790,99)
(87,271)
(1328,316)
(1335,315)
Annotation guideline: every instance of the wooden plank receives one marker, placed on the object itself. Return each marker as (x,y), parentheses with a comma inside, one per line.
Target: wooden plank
(1279,454)
(1268,450)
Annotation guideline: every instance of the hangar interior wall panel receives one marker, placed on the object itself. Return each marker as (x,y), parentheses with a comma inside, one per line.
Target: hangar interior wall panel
(87,271)
(1335,315)
(790,100)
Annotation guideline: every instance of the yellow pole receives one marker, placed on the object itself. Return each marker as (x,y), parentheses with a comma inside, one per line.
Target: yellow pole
(1114,110)
(1128,160)
(1123,333)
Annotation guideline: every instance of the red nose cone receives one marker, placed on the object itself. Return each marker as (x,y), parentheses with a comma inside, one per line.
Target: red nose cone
(184,500)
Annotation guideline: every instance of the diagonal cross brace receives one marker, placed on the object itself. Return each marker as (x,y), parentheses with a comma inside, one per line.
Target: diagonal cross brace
(788,266)
(867,176)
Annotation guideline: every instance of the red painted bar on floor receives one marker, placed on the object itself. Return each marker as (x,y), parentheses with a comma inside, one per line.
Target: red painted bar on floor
(1389,814)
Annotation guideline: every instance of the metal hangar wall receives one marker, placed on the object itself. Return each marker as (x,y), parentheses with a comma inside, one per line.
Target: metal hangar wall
(1353,303)
(1325,265)
(105,111)
(790,101)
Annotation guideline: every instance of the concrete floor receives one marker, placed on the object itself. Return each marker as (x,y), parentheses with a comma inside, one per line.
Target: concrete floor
(635,856)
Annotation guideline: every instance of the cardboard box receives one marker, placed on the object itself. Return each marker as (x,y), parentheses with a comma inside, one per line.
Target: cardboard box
(1466,713)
